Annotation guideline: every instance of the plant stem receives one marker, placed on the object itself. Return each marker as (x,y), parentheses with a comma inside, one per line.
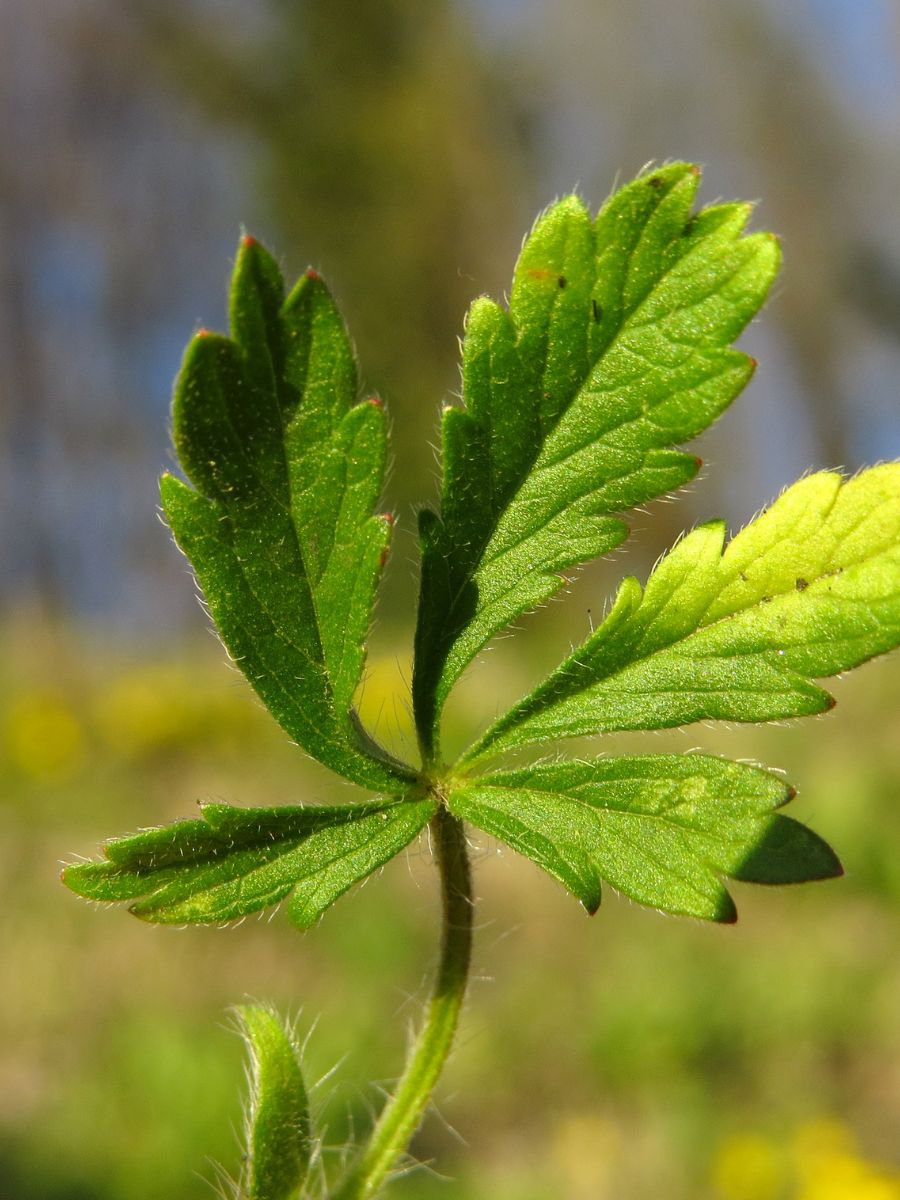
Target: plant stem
(404,1111)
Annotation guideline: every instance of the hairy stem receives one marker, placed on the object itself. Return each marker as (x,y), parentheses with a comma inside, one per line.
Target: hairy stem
(403,1113)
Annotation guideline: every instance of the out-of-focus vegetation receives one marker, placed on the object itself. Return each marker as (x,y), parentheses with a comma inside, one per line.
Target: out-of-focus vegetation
(403,149)
(598,1058)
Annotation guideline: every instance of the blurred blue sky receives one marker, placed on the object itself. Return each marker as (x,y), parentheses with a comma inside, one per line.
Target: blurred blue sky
(856,43)
(122,201)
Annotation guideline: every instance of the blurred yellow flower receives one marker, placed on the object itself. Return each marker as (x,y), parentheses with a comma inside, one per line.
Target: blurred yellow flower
(142,710)
(749,1167)
(829,1166)
(820,1161)
(44,737)
(163,707)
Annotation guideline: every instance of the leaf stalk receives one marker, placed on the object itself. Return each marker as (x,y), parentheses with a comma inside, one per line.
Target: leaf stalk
(404,1111)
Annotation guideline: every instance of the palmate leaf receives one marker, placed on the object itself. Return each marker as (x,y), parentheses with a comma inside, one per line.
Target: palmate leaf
(660,829)
(236,861)
(810,588)
(280,530)
(615,348)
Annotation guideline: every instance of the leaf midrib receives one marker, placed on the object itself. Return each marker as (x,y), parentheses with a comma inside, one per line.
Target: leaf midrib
(782,596)
(484,562)
(337,739)
(279,847)
(529,533)
(538,467)
(600,809)
(638,847)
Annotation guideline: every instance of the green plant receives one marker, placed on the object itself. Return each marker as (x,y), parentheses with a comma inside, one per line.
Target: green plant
(615,348)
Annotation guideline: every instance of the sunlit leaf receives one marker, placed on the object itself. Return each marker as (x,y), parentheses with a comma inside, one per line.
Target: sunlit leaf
(661,829)
(738,633)
(616,347)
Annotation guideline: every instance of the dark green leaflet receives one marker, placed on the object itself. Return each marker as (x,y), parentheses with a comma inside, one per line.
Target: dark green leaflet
(237,861)
(287,468)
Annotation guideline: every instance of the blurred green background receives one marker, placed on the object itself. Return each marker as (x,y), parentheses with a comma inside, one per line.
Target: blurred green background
(404,149)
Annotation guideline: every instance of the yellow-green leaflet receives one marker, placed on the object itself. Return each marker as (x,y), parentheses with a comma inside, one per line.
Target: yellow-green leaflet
(811,588)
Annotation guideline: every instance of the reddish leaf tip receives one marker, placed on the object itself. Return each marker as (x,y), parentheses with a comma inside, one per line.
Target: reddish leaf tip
(376,401)
(311,273)
(388,519)
(248,240)
(698,462)
(203,332)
